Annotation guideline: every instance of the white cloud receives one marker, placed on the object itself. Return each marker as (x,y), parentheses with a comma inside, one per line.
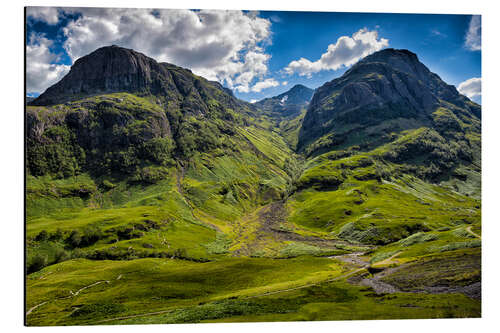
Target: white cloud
(41,69)
(471,87)
(219,45)
(267,83)
(284,83)
(473,36)
(345,52)
(49,15)
(437,33)
(253,101)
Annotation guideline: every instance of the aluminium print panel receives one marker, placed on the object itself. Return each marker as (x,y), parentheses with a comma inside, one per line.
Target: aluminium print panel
(192,166)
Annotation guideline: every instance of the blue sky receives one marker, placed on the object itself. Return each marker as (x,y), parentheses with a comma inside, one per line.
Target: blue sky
(257,54)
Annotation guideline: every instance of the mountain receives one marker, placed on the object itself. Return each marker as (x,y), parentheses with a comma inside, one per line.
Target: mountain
(390,87)
(287,104)
(121,117)
(286,111)
(160,182)
(387,141)
(115,69)
(117,100)
(391,103)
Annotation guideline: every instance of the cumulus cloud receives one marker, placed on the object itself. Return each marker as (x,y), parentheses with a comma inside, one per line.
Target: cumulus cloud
(473,36)
(267,83)
(219,45)
(284,83)
(49,15)
(42,70)
(345,52)
(471,87)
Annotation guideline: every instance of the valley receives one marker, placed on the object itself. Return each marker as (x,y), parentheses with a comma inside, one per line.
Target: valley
(155,196)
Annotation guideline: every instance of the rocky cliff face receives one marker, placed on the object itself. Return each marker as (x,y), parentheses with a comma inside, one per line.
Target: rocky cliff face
(390,88)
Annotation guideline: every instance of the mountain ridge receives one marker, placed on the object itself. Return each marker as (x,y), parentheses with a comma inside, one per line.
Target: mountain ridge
(113,69)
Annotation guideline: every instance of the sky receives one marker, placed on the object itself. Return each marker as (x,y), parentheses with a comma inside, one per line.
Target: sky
(256,54)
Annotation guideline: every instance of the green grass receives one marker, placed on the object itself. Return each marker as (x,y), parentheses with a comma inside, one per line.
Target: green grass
(290,128)
(329,301)
(295,249)
(155,284)
(374,211)
(434,242)
(451,269)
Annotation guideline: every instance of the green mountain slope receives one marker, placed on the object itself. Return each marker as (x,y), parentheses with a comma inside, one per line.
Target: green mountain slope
(394,151)
(285,112)
(390,105)
(156,196)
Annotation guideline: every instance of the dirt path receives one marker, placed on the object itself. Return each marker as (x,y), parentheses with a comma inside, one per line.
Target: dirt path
(353,259)
(389,260)
(73,294)
(375,282)
(469,230)
(36,306)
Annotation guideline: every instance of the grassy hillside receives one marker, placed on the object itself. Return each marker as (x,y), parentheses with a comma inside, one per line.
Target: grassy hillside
(171,291)
(157,244)
(141,209)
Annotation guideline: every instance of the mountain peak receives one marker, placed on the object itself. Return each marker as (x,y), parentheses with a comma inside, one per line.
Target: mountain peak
(390,52)
(299,87)
(107,69)
(298,94)
(401,60)
(391,57)
(289,103)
